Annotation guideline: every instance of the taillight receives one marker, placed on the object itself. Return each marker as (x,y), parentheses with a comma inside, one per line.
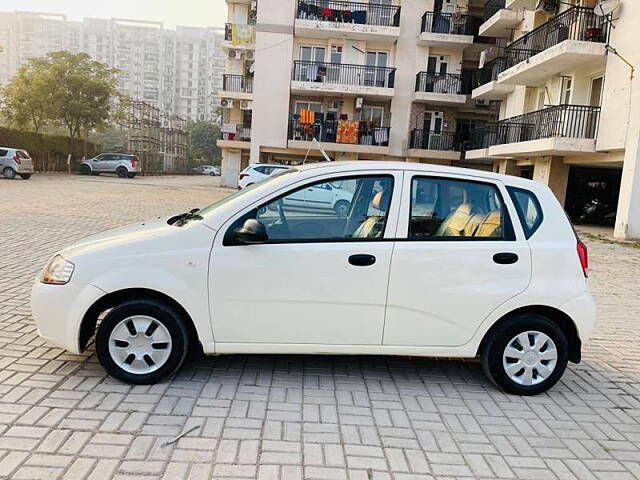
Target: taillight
(17,160)
(134,162)
(242,175)
(583,255)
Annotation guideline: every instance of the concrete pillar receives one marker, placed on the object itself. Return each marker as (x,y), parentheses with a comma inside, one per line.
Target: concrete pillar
(231,167)
(628,216)
(507,167)
(552,171)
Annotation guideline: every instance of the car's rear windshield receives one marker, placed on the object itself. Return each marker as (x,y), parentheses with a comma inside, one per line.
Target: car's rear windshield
(22,154)
(528,208)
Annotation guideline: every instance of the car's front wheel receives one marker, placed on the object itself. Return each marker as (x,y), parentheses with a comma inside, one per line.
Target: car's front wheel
(142,341)
(84,169)
(525,355)
(342,208)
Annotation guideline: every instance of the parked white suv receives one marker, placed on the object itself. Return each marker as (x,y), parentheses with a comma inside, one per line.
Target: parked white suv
(258,172)
(123,165)
(14,161)
(428,261)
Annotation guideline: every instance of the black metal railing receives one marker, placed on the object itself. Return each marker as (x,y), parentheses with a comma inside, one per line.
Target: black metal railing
(577,23)
(451,23)
(241,133)
(440,83)
(349,12)
(569,121)
(237,83)
(434,140)
(491,7)
(489,71)
(333,131)
(344,73)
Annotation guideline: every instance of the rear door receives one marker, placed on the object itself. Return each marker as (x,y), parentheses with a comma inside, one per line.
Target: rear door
(25,159)
(460,254)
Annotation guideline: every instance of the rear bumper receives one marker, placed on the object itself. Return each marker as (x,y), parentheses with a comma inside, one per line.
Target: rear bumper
(582,310)
(24,169)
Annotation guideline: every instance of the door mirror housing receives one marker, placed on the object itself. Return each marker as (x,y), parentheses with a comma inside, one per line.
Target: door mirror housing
(252,232)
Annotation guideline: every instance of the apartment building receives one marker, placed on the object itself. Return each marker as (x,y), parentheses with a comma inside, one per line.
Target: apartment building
(366,80)
(567,83)
(178,71)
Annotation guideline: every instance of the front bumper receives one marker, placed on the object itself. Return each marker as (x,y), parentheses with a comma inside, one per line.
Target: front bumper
(58,311)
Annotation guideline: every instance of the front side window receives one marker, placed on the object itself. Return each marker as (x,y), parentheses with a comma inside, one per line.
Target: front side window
(443,208)
(353,208)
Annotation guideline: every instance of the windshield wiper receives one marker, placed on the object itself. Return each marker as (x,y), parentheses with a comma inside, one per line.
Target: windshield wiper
(185,217)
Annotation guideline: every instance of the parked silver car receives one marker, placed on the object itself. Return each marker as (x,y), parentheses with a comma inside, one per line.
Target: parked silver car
(119,163)
(15,162)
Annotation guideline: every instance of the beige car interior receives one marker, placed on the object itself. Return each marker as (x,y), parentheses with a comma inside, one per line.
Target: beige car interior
(463,222)
(373,226)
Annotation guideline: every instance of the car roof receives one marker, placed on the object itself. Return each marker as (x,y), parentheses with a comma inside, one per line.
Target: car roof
(472,173)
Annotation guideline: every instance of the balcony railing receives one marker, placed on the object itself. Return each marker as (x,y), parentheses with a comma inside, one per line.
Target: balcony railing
(489,71)
(434,140)
(568,121)
(577,23)
(239,133)
(343,73)
(335,131)
(237,83)
(349,12)
(491,7)
(451,83)
(451,23)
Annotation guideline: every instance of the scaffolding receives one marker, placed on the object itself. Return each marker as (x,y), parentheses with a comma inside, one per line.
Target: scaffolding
(160,141)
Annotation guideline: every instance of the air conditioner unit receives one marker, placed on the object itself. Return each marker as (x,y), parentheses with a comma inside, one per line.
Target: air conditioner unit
(234,54)
(226,102)
(249,55)
(246,104)
(359,102)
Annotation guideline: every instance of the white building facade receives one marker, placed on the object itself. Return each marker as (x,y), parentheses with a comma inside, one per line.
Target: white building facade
(178,71)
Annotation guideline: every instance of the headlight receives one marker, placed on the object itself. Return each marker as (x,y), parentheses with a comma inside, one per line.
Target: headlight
(57,272)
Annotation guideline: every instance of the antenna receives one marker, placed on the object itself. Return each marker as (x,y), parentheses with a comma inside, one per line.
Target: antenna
(605,7)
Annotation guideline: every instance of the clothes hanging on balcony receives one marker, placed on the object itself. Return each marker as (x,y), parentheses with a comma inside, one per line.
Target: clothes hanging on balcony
(307,117)
(380,135)
(228,128)
(312,72)
(347,132)
(309,11)
(360,17)
(243,34)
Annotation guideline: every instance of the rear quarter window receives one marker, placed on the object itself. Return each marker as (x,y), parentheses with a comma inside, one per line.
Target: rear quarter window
(528,208)
(22,154)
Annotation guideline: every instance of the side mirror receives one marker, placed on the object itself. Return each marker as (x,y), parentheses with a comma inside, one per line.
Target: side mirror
(252,232)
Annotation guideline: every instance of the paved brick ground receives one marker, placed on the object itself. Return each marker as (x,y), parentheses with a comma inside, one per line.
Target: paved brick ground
(292,417)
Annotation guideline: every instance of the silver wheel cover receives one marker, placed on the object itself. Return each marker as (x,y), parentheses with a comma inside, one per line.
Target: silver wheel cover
(530,358)
(140,344)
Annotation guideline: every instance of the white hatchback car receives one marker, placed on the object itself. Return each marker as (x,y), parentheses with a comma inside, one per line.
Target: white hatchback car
(257,172)
(427,261)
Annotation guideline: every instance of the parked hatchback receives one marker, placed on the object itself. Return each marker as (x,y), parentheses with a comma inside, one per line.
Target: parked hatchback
(123,165)
(258,172)
(427,261)
(14,161)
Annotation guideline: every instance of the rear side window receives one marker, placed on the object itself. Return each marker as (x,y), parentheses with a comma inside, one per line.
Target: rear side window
(528,208)
(23,154)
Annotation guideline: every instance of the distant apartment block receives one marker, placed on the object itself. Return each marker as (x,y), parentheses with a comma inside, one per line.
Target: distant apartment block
(178,71)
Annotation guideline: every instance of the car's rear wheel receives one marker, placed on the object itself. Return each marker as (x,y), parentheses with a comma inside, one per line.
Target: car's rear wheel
(142,341)
(342,208)
(25,176)
(122,172)
(84,169)
(525,355)
(9,173)
(131,175)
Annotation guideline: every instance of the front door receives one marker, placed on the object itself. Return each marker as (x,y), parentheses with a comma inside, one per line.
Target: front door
(444,278)
(320,279)
(376,74)
(432,137)
(437,66)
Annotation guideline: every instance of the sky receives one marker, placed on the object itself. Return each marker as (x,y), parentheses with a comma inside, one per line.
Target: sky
(193,13)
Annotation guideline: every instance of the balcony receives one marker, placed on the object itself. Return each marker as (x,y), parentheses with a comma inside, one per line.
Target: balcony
(239,36)
(235,136)
(498,20)
(452,30)
(556,130)
(575,39)
(440,145)
(485,87)
(343,19)
(342,79)
(441,88)
(340,136)
(238,87)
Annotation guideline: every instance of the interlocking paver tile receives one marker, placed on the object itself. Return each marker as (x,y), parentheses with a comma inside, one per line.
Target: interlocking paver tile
(286,417)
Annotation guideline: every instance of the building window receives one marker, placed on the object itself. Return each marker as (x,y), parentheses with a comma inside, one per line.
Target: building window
(372,114)
(567,85)
(313,106)
(595,97)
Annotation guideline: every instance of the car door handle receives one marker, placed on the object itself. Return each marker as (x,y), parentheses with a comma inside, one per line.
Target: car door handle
(362,260)
(505,258)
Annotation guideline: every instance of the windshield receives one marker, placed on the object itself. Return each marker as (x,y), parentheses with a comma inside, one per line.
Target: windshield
(244,191)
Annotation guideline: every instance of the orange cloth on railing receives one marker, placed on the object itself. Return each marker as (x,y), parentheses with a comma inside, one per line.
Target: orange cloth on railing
(347,132)
(307,116)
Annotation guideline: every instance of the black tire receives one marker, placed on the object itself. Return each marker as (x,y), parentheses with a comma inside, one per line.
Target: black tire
(9,173)
(161,313)
(25,176)
(84,169)
(491,356)
(342,208)
(131,175)
(95,174)
(122,172)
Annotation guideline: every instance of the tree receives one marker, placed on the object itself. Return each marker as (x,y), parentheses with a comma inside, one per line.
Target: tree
(203,141)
